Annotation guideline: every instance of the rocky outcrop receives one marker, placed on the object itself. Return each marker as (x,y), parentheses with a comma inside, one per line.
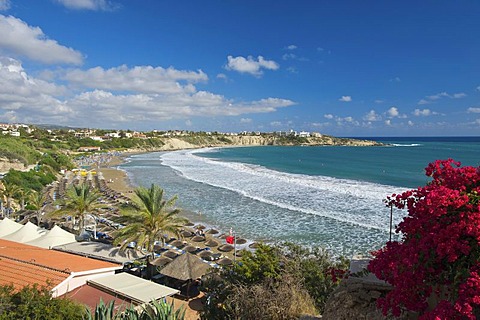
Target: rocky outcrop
(6,165)
(356,299)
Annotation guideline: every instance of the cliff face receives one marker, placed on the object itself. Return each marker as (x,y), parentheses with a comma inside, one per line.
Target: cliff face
(233,141)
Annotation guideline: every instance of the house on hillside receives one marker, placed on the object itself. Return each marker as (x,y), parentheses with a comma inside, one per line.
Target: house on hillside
(88,149)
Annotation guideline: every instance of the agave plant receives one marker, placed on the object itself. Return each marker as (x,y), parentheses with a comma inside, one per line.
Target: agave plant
(153,311)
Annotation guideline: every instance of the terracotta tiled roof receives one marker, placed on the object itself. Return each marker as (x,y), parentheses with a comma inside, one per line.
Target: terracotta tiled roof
(23,265)
(91,296)
(50,258)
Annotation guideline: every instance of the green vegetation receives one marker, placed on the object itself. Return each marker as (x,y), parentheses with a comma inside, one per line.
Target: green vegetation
(274,282)
(148,219)
(79,201)
(36,303)
(30,180)
(153,311)
(18,149)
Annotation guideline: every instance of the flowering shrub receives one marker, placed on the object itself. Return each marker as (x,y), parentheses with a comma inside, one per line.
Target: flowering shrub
(438,257)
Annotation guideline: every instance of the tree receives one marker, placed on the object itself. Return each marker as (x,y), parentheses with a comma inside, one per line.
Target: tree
(79,200)
(36,303)
(9,192)
(38,200)
(148,219)
(435,268)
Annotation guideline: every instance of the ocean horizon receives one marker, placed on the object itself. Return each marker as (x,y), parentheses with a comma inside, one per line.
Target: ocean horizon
(326,196)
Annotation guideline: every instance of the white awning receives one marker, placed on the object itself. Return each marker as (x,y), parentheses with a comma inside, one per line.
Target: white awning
(26,233)
(8,226)
(132,287)
(55,237)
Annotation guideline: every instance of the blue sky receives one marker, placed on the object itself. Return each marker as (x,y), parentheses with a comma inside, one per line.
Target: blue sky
(344,68)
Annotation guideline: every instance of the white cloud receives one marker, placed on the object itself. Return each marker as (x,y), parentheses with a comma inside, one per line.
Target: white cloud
(245,120)
(388,122)
(410,123)
(379,101)
(275,123)
(345,99)
(432,98)
(396,79)
(250,65)
(328,116)
(473,110)
(288,56)
(372,116)
(4,5)
(478,88)
(292,70)
(222,76)
(24,40)
(88,4)
(113,103)
(393,112)
(423,112)
(292,47)
(144,79)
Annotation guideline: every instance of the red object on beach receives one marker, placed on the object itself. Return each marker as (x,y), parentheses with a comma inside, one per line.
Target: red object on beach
(229,239)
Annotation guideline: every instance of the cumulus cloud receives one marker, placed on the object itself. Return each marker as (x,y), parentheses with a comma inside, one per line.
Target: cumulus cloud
(410,123)
(328,116)
(423,112)
(435,97)
(4,5)
(345,99)
(144,79)
(94,98)
(292,47)
(473,110)
(21,39)
(250,65)
(372,116)
(245,120)
(94,5)
(388,122)
(393,112)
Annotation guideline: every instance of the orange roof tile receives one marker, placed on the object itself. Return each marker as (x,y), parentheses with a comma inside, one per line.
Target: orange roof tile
(52,259)
(21,273)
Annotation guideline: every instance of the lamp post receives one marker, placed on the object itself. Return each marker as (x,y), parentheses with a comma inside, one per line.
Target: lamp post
(391,221)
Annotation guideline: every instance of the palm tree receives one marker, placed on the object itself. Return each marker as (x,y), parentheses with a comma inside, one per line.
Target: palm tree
(38,200)
(23,194)
(9,191)
(150,219)
(79,201)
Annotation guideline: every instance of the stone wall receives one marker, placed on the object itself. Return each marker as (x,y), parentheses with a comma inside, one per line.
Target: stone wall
(356,299)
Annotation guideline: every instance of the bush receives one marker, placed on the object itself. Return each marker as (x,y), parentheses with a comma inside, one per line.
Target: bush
(438,257)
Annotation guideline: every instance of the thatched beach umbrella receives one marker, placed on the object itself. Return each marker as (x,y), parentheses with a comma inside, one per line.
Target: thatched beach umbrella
(205,254)
(190,249)
(222,236)
(198,239)
(186,267)
(253,245)
(226,248)
(200,227)
(189,224)
(170,254)
(177,243)
(241,241)
(239,253)
(211,243)
(212,231)
(187,234)
(224,262)
(161,261)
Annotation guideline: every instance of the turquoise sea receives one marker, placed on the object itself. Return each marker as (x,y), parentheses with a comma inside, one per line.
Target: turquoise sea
(317,196)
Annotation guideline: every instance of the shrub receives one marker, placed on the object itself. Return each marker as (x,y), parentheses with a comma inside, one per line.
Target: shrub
(438,257)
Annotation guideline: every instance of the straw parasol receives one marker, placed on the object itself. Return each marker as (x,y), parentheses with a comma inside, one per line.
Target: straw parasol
(224,262)
(222,236)
(211,243)
(198,239)
(170,254)
(186,267)
(161,261)
(205,254)
(241,241)
(189,224)
(253,245)
(177,243)
(225,248)
(212,231)
(200,227)
(187,234)
(190,249)
(240,253)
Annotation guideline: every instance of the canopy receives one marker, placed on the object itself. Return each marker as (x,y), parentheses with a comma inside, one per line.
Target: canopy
(102,251)
(55,237)
(132,287)
(26,233)
(8,226)
(186,267)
